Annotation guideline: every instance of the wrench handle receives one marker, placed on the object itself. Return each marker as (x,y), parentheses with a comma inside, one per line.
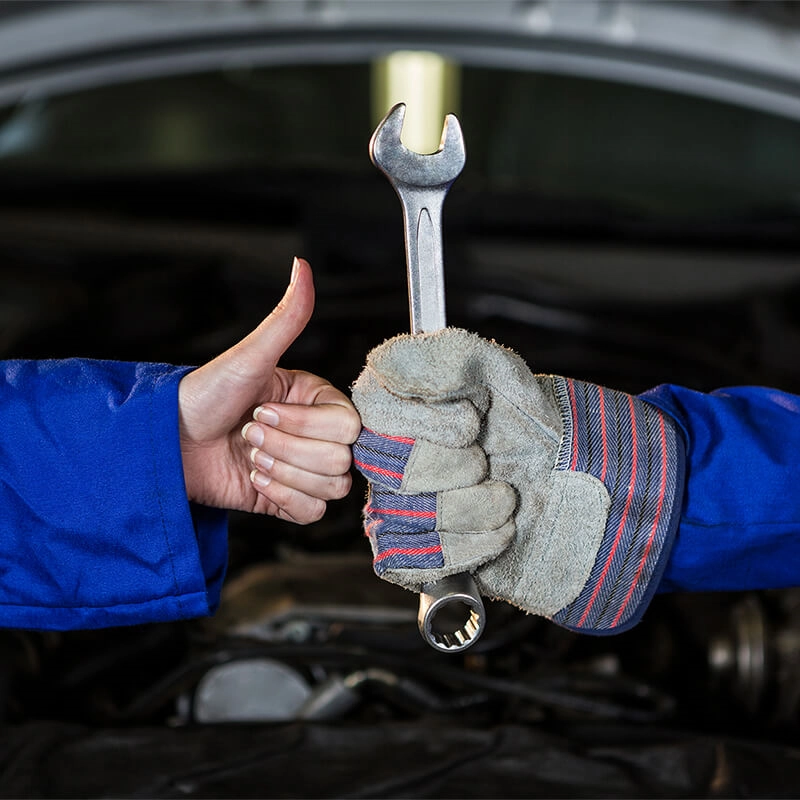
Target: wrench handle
(422,214)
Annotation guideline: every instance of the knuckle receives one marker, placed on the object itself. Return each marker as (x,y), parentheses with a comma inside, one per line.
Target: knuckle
(340,486)
(351,428)
(340,460)
(312,511)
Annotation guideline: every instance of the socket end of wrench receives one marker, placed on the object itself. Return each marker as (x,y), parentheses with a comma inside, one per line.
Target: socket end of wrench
(451,613)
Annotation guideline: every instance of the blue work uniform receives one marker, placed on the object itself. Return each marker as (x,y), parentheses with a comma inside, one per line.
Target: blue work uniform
(739,527)
(95,526)
(96,529)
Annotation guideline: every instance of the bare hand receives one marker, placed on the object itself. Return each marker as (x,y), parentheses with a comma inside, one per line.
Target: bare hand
(259,438)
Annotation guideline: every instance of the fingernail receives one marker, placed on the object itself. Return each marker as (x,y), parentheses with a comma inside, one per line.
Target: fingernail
(295,269)
(253,434)
(258,480)
(269,416)
(261,459)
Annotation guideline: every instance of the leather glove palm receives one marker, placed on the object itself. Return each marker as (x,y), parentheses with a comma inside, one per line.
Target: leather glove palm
(560,497)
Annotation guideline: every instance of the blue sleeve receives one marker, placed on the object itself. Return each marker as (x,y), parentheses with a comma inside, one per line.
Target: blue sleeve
(740,523)
(95,526)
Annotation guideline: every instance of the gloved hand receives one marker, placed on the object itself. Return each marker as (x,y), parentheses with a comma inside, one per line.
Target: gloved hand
(560,497)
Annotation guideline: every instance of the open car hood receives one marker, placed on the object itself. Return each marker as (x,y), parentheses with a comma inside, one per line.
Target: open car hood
(747,54)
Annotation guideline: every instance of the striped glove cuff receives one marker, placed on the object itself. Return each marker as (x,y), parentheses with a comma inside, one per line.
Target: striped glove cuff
(636,451)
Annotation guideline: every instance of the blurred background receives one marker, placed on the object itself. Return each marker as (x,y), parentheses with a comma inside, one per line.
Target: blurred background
(628,214)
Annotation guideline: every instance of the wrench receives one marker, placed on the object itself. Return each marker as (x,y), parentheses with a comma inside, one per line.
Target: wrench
(421,183)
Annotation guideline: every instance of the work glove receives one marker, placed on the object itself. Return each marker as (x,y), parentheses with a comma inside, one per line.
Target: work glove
(560,497)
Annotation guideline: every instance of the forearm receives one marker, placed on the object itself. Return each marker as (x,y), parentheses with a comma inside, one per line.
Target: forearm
(95,527)
(740,521)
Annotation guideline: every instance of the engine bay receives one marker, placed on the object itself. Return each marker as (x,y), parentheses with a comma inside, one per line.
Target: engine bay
(311,659)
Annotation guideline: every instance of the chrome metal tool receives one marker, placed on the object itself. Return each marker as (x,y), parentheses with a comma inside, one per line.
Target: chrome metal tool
(422,182)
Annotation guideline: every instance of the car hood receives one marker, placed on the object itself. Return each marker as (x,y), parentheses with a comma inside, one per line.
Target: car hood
(746,54)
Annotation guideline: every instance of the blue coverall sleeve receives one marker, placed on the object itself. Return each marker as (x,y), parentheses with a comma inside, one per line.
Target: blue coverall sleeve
(95,526)
(740,523)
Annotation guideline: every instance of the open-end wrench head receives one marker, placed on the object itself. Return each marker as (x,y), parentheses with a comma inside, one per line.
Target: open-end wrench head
(402,165)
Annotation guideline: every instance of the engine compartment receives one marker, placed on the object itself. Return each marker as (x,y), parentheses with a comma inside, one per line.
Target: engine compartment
(311,659)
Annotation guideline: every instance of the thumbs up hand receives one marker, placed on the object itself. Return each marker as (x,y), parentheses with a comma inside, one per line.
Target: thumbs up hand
(256,437)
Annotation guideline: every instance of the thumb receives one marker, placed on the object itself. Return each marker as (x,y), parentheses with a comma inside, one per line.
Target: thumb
(270,340)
